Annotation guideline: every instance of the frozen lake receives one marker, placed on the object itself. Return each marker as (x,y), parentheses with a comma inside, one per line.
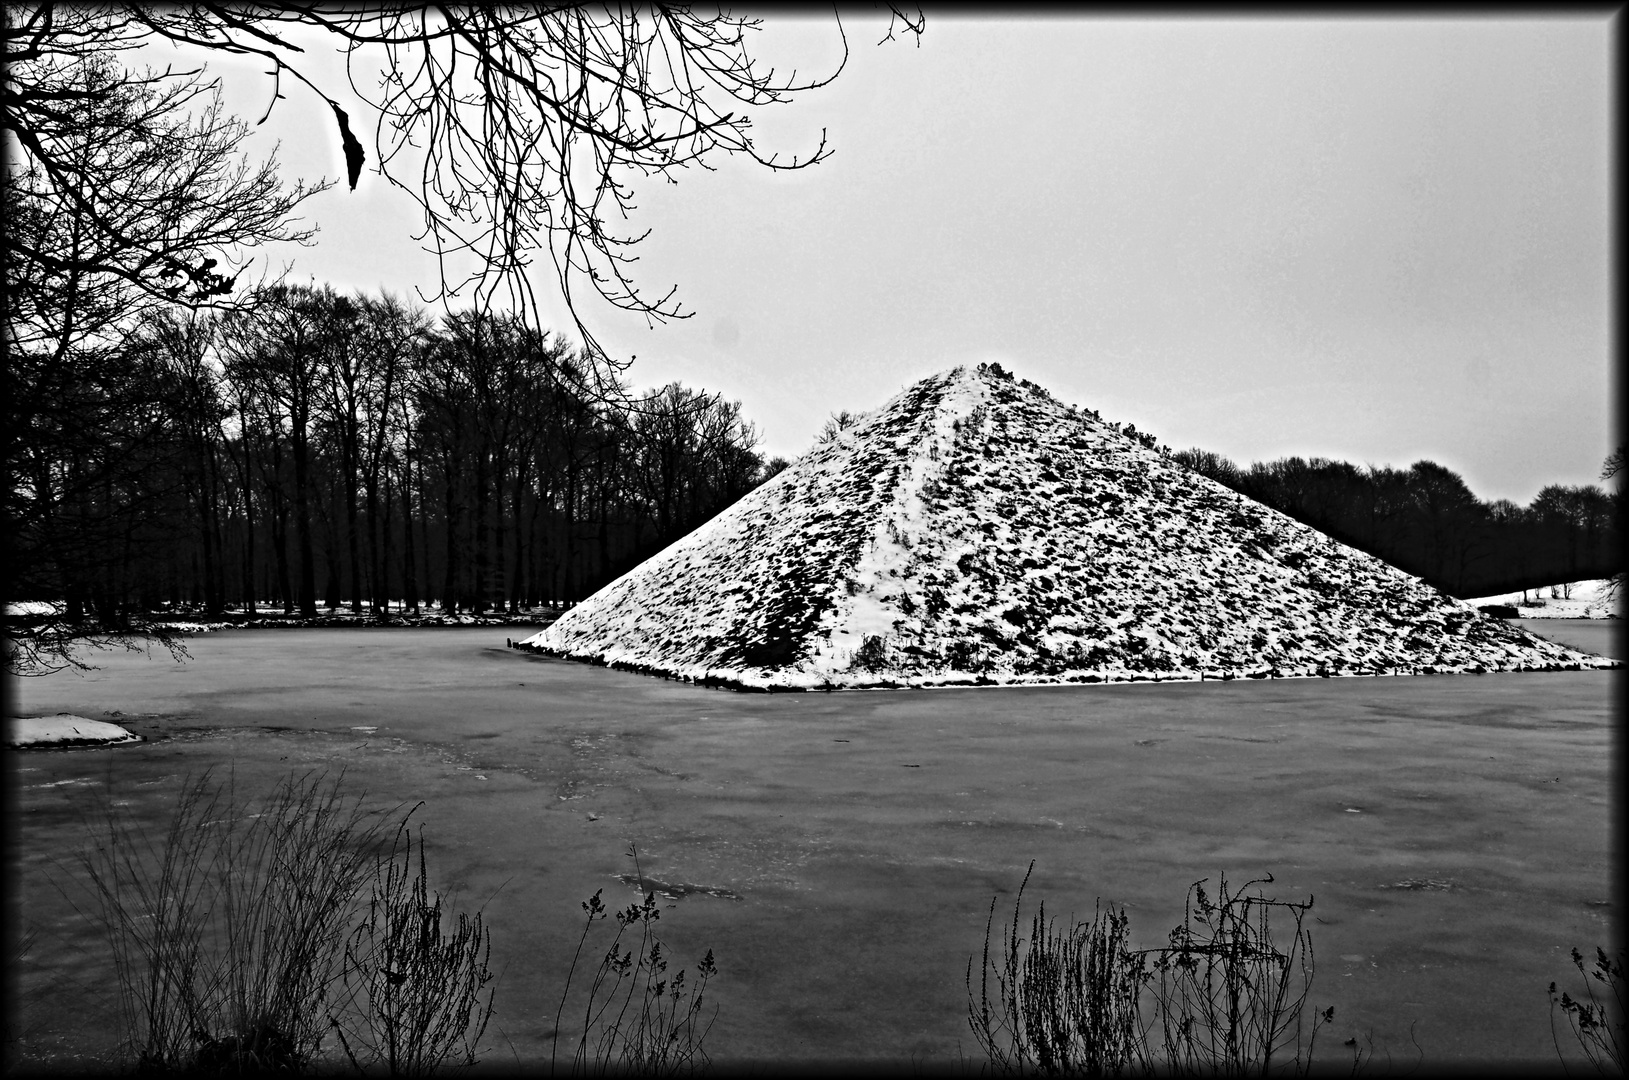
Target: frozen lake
(841,850)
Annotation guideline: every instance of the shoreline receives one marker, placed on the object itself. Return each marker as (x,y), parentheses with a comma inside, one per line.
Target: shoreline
(200,624)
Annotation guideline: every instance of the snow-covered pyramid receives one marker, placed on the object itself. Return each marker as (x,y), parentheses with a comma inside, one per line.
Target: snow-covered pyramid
(976,530)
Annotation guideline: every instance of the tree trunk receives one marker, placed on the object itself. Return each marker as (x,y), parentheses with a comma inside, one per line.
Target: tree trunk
(352,467)
(206,543)
(449,585)
(302,523)
(483,534)
(569,590)
(285,593)
(410,577)
(246,485)
(331,556)
(517,583)
(379,591)
(379,570)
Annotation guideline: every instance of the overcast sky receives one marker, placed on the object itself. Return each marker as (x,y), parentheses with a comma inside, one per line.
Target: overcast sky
(1378,240)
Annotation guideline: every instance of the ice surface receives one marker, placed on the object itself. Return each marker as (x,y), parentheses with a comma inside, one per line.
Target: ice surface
(974,530)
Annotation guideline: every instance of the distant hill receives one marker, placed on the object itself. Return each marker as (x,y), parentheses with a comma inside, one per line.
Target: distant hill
(975,530)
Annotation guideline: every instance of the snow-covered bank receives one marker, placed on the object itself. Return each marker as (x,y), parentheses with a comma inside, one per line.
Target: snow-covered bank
(64,730)
(190,624)
(331,621)
(975,530)
(1595,599)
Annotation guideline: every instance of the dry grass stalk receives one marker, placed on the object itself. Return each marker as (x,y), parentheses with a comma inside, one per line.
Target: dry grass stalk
(227,935)
(1225,997)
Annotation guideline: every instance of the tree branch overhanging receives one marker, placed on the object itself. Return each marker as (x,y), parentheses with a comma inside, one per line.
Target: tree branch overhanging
(515,131)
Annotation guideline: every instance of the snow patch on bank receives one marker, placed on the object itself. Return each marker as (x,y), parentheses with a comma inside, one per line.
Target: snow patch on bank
(64,730)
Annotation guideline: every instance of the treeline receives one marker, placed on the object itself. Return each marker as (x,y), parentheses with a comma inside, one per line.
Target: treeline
(317,450)
(1425,520)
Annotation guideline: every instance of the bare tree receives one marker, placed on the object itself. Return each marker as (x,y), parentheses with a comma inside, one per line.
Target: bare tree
(1577,512)
(123,193)
(90,469)
(1611,467)
(1211,464)
(123,196)
(1613,464)
(841,420)
(392,332)
(285,349)
(517,131)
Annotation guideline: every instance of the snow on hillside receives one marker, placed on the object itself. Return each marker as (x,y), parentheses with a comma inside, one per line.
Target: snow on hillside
(974,530)
(1594,599)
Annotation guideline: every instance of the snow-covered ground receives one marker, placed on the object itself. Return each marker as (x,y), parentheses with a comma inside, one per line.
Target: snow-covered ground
(64,730)
(236,618)
(1595,599)
(974,530)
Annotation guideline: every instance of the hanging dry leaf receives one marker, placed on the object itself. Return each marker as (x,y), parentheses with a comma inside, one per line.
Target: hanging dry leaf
(353,149)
